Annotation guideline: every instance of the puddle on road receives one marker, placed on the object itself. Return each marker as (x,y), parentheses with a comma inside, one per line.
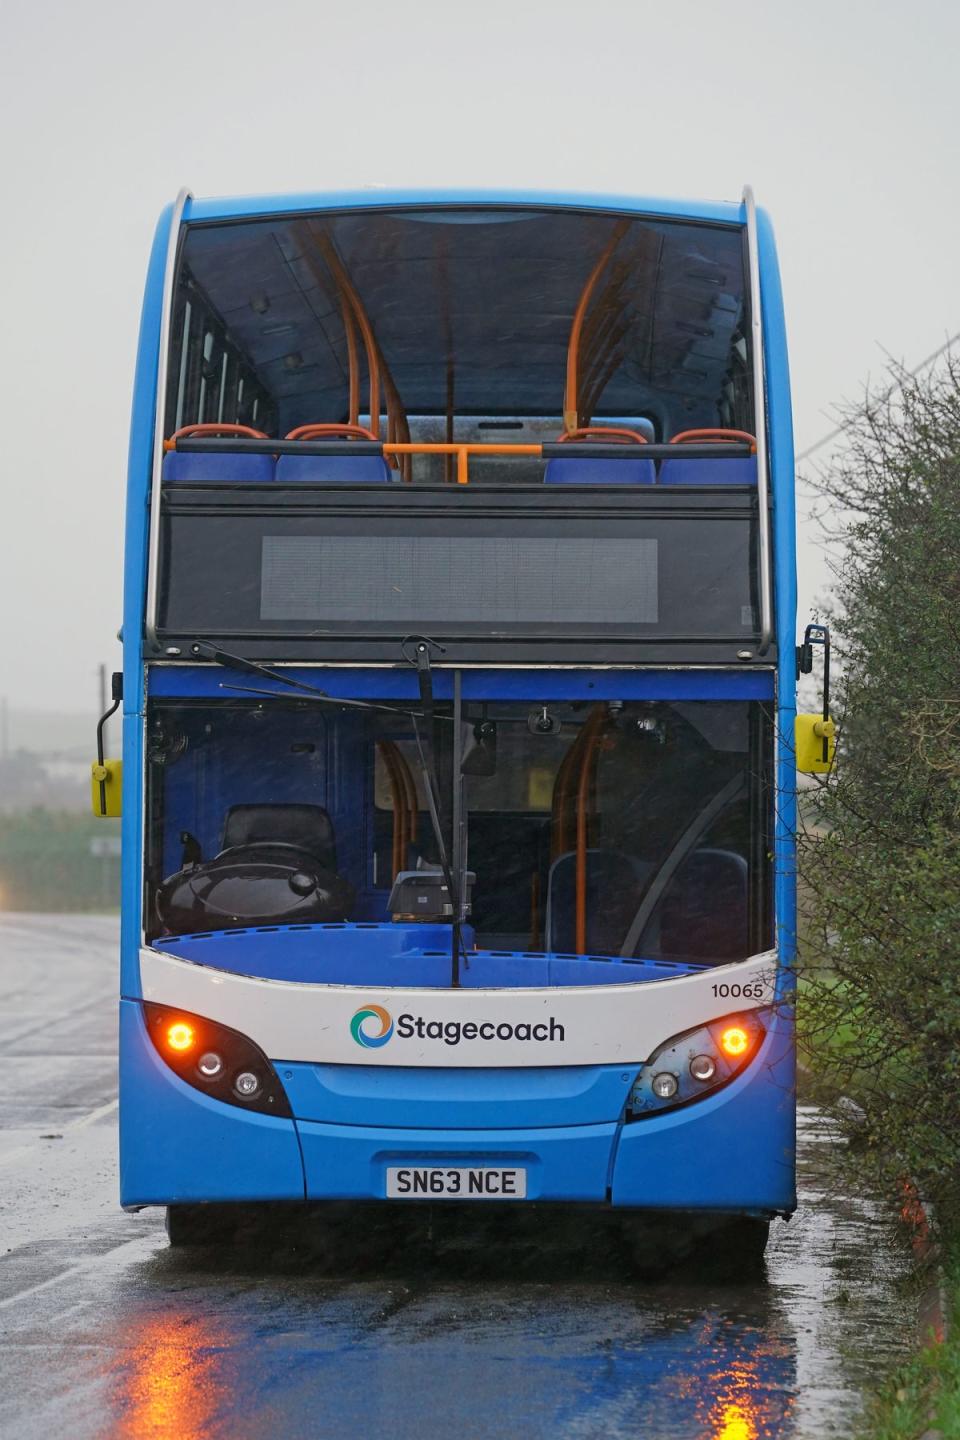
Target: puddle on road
(435,1338)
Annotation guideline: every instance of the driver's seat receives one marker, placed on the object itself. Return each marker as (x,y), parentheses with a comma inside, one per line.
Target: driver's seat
(309,827)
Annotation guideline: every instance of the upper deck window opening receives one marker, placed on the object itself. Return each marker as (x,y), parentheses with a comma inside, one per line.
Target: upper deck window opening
(449,327)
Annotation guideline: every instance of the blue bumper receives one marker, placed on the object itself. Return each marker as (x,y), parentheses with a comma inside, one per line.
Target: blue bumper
(178,1145)
(732,1152)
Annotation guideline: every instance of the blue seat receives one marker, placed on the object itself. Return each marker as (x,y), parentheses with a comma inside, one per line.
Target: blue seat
(600,472)
(740,470)
(333,469)
(202,469)
(224,469)
(737,470)
(614,885)
(582,470)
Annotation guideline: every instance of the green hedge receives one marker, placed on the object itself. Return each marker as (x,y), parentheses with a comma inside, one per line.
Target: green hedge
(881,869)
(47,862)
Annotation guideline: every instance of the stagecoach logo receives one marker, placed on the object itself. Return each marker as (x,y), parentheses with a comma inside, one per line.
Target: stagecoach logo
(371,1026)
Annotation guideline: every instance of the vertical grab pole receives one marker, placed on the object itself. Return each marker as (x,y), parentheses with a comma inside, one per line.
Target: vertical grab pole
(571,394)
(166,311)
(760,423)
(592,732)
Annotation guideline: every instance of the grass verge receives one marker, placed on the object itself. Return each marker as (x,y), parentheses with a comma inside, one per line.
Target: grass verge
(922,1397)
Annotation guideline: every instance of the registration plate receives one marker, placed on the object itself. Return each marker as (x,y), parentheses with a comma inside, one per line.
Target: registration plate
(455,1182)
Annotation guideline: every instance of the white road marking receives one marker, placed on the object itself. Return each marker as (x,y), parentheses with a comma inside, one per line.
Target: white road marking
(74,1125)
(93,1262)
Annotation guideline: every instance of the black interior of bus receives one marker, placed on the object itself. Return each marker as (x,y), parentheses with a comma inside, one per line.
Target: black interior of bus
(481,325)
(593,828)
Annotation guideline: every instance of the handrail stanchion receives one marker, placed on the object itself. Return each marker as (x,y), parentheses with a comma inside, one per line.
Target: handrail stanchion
(593,728)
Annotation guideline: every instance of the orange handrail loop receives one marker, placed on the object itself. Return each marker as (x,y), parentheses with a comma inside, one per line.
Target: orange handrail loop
(686,437)
(326,431)
(211,428)
(616,435)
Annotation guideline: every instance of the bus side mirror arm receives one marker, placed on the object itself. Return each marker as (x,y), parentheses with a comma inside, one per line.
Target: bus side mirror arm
(106,775)
(815,735)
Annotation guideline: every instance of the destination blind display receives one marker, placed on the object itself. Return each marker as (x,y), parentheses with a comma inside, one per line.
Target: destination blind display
(259,572)
(504,580)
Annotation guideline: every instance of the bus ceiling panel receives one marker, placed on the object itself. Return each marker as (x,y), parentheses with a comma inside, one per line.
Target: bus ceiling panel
(494,303)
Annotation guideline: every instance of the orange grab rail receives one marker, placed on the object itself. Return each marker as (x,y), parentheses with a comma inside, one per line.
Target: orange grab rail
(347,289)
(571,412)
(353,361)
(617,436)
(463,452)
(594,727)
(687,437)
(320,432)
(211,428)
(394,762)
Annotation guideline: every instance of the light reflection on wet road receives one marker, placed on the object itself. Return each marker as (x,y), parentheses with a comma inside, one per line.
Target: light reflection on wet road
(105,1332)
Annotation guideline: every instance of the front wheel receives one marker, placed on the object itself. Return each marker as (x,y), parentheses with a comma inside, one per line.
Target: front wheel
(200,1224)
(713,1248)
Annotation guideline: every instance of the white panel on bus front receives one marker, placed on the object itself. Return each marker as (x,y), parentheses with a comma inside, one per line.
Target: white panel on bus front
(353,1025)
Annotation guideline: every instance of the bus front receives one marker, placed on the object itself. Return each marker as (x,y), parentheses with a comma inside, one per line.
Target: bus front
(457,813)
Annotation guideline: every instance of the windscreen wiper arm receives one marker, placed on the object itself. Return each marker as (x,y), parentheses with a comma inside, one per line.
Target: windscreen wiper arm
(204,651)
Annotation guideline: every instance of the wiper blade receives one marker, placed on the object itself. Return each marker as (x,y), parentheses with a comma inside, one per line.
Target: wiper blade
(253,667)
(240,662)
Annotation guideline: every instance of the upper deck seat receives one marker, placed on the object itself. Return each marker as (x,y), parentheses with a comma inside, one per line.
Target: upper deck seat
(333,469)
(738,470)
(580,470)
(200,469)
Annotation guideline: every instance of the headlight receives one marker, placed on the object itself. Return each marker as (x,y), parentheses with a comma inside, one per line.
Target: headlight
(695,1064)
(221,1062)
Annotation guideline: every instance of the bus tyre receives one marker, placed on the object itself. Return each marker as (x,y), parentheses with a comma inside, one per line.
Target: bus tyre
(746,1237)
(199,1224)
(734,1251)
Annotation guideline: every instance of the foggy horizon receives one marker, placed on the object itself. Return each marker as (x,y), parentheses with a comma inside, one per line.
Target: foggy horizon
(843,122)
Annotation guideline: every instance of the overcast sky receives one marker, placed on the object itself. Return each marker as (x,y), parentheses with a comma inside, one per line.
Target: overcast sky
(842,115)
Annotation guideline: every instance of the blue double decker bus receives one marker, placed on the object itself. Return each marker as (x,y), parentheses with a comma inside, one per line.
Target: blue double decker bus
(458,694)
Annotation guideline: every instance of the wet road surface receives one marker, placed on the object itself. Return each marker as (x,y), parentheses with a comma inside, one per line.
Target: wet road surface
(383,1330)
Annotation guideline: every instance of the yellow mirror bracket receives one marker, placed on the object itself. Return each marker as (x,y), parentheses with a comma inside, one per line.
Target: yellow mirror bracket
(813,734)
(106,785)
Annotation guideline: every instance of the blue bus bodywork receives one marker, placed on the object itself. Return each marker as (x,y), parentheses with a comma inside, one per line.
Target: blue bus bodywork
(568,1126)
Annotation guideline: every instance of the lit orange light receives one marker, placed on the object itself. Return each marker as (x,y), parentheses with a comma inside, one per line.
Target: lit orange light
(735,1422)
(180,1036)
(735,1041)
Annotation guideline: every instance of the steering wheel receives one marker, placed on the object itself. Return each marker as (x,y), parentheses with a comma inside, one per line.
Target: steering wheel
(267,882)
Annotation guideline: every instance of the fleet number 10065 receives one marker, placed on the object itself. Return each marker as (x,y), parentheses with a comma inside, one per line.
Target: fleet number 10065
(739,992)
